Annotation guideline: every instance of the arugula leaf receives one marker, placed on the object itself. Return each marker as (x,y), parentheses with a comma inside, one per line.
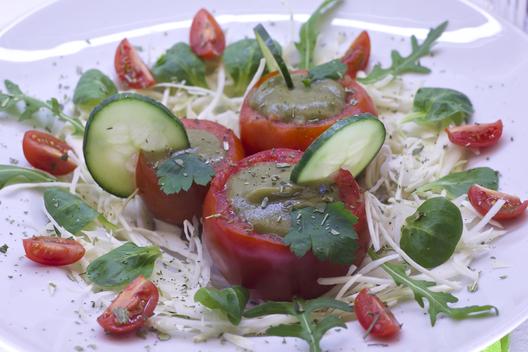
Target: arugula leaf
(334,69)
(307,328)
(181,170)
(310,31)
(178,64)
(122,265)
(440,106)
(408,64)
(231,301)
(9,104)
(10,174)
(438,301)
(458,183)
(329,233)
(92,88)
(431,234)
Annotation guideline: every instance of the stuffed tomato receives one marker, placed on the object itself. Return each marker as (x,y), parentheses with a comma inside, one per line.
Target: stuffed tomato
(273,116)
(246,216)
(214,143)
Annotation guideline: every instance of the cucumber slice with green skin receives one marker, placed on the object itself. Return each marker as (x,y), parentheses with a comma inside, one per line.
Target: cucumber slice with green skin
(118,129)
(349,144)
(272,54)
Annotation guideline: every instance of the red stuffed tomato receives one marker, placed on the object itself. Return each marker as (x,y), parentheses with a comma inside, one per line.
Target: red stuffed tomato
(253,254)
(216,143)
(273,127)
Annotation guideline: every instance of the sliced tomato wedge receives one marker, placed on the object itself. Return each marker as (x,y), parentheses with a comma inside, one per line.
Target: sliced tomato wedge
(482,199)
(45,152)
(374,316)
(358,54)
(130,310)
(131,70)
(207,39)
(53,251)
(476,135)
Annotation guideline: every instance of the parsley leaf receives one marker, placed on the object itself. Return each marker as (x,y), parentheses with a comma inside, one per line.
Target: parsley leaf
(10,174)
(438,301)
(334,69)
(181,170)
(231,301)
(329,233)
(307,328)
(408,64)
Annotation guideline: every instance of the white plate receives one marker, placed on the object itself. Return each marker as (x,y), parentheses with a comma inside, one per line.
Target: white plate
(479,55)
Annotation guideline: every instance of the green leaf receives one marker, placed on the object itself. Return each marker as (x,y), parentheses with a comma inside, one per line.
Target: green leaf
(408,64)
(458,183)
(122,265)
(329,233)
(178,64)
(270,308)
(10,175)
(440,107)
(334,69)
(92,88)
(438,301)
(310,31)
(181,170)
(231,301)
(68,210)
(431,234)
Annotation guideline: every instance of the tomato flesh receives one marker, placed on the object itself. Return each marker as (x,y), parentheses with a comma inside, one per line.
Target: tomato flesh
(374,316)
(53,251)
(263,263)
(258,132)
(45,152)
(131,308)
(476,135)
(176,208)
(206,38)
(357,56)
(131,70)
(482,199)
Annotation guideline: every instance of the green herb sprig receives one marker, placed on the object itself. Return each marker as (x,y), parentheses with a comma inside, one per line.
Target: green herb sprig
(10,174)
(230,301)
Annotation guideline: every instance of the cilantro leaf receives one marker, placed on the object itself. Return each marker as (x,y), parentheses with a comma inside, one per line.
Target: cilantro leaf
(334,69)
(329,233)
(181,170)
(307,328)
(408,64)
(438,301)
(231,301)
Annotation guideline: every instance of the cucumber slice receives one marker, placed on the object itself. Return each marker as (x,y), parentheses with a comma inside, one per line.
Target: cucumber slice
(350,144)
(118,128)
(272,54)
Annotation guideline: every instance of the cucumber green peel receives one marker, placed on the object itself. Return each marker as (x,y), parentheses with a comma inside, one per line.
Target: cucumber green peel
(350,144)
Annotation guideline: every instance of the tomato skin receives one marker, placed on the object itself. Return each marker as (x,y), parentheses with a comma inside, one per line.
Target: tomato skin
(263,263)
(139,298)
(45,152)
(131,70)
(367,307)
(176,208)
(259,133)
(206,38)
(482,199)
(53,251)
(477,135)
(358,54)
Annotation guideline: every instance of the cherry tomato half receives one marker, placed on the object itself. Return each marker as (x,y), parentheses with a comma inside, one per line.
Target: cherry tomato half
(130,310)
(373,314)
(45,152)
(477,135)
(131,70)
(482,199)
(358,54)
(206,37)
(176,208)
(53,251)
(263,263)
(259,133)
